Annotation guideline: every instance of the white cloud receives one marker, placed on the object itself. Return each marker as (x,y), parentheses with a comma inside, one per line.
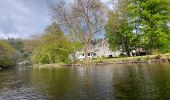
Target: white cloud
(21,18)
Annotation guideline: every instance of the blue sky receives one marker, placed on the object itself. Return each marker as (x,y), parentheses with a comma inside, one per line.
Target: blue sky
(22,18)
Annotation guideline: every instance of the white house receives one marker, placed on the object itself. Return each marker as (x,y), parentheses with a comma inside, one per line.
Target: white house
(97,49)
(81,55)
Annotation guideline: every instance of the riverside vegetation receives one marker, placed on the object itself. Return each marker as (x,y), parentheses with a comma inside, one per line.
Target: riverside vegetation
(12,51)
(128,24)
(6,55)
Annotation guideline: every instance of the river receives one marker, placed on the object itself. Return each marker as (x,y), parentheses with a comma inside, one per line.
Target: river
(104,82)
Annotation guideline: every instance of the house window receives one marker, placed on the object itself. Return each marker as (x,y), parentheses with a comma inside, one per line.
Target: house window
(94,54)
(96,50)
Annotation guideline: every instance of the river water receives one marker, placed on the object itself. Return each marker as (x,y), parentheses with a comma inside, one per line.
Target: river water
(106,82)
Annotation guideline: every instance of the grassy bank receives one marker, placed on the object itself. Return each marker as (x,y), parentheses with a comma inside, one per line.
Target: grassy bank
(125,60)
(164,58)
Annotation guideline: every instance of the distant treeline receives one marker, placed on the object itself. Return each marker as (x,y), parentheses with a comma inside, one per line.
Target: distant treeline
(13,51)
(8,55)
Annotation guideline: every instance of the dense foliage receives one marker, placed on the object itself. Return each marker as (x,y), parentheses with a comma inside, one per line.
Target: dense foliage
(152,18)
(118,30)
(54,46)
(140,23)
(18,45)
(7,55)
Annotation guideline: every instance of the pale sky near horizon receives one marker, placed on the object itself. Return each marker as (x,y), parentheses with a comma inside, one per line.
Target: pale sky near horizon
(22,18)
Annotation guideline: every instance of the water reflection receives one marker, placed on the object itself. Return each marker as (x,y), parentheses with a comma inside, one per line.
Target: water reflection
(141,82)
(109,82)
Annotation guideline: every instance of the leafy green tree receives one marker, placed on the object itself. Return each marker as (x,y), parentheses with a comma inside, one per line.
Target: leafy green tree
(54,46)
(7,53)
(152,18)
(155,17)
(145,24)
(118,30)
(134,12)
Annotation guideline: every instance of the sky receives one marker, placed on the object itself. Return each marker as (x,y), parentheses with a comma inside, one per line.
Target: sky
(23,18)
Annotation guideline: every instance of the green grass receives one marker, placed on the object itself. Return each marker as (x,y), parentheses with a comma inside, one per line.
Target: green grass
(136,58)
(145,58)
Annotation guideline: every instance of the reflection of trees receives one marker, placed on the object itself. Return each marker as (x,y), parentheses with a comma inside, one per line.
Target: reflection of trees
(125,83)
(57,83)
(68,84)
(88,91)
(142,82)
(154,82)
(162,81)
(95,82)
(128,82)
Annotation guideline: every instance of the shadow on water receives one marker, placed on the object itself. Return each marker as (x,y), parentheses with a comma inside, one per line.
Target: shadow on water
(106,82)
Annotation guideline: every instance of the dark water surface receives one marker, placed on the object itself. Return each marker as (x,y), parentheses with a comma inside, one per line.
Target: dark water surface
(107,82)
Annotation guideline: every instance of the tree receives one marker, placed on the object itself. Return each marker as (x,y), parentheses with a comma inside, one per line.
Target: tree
(54,46)
(146,25)
(84,19)
(7,53)
(31,43)
(18,44)
(153,17)
(134,12)
(118,30)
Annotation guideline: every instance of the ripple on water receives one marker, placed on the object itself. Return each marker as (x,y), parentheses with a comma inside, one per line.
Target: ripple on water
(22,93)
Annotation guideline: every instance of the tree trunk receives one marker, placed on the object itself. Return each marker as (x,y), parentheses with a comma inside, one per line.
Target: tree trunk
(128,53)
(86,51)
(49,57)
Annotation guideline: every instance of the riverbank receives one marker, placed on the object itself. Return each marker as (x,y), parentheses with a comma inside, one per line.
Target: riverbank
(162,58)
(50,65)
(2,68)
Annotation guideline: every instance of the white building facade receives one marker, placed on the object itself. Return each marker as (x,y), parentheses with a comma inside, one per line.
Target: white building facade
(97,49)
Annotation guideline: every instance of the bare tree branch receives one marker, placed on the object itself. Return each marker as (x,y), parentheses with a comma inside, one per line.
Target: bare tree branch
(83,18)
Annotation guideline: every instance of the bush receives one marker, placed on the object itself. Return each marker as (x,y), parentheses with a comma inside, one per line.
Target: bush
(147,58)
(139,59)
(7,53)
(122,55)
(5,62)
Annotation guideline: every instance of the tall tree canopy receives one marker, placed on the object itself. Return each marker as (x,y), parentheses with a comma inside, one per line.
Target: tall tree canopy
(155,16)
(146,24)
(82,18)
(150,19)
(118,30)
